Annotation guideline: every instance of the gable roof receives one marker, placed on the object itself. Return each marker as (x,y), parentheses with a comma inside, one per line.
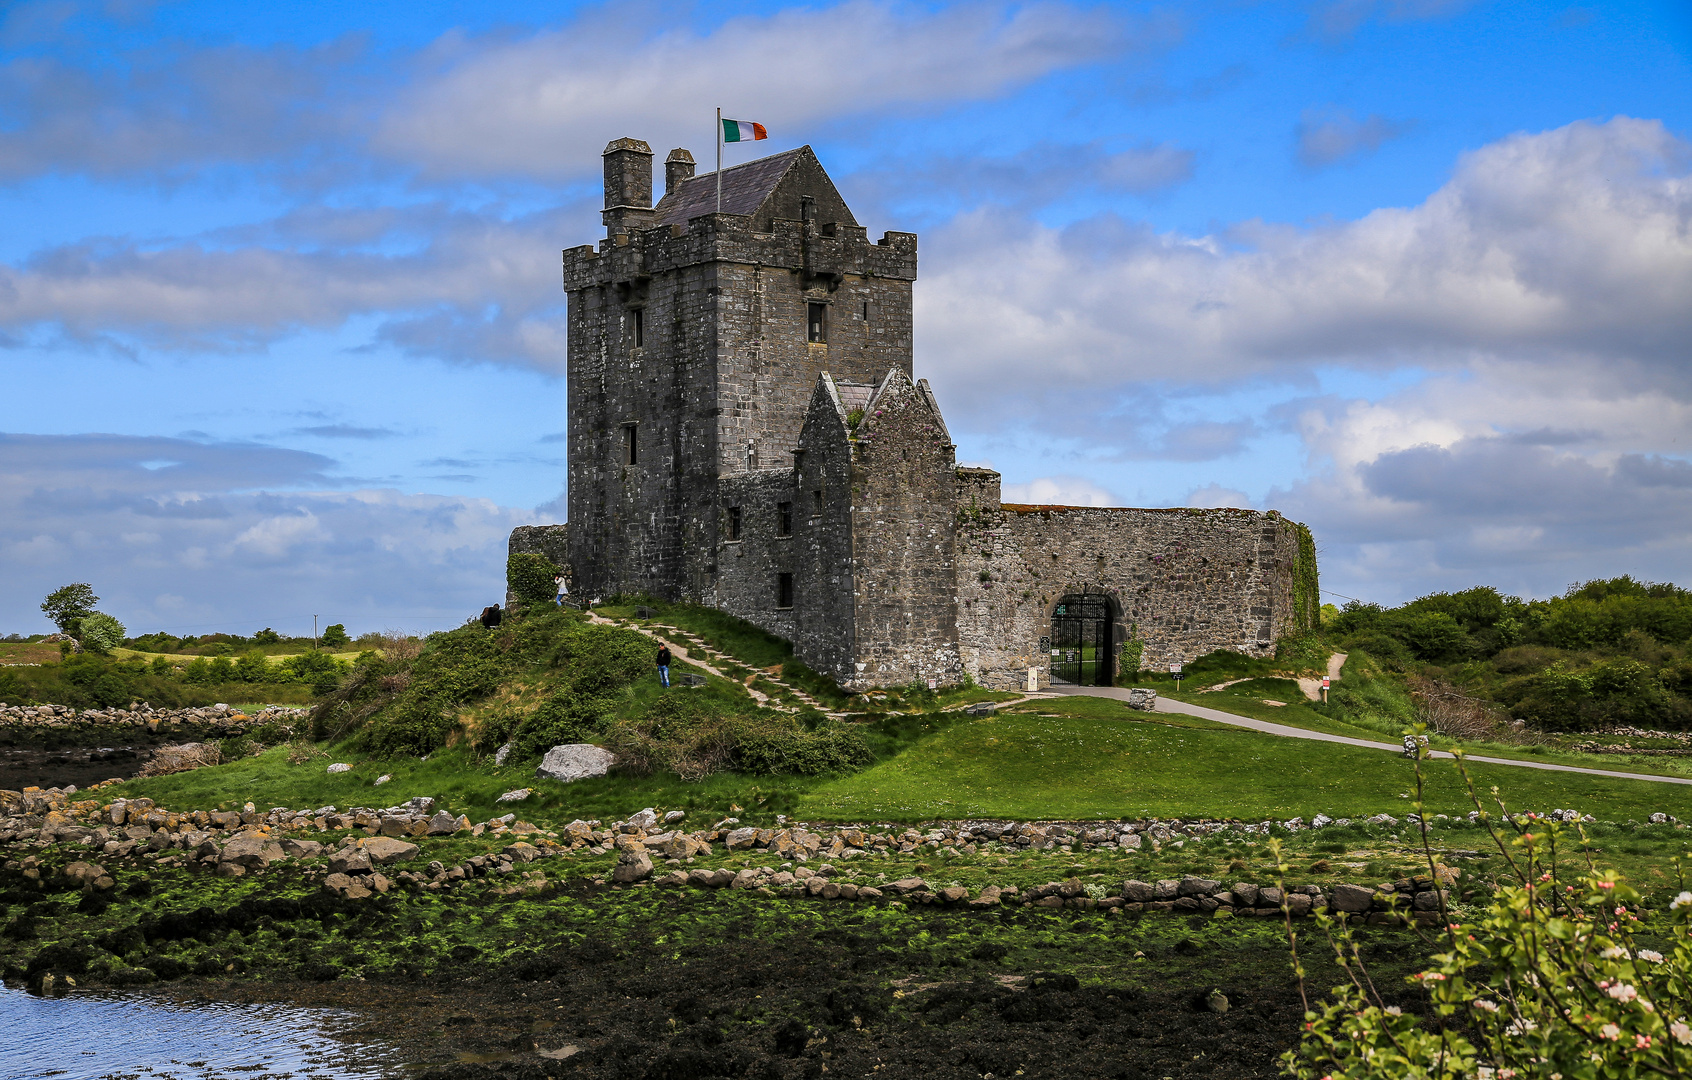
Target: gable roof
(746,189)
(854,395)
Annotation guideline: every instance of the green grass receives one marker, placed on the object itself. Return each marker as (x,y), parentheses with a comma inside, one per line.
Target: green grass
(751,646)
(455,779)
(1305,715)
(1021,766)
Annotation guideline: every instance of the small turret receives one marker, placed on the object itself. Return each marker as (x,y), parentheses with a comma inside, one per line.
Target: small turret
(628,183)
(678,169)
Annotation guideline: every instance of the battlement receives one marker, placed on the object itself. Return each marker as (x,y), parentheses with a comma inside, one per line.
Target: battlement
(841,251)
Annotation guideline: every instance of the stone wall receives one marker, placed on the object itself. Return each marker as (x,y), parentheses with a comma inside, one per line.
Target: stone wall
(1182,581)
(748,568)
(904,531)
(718,383)
(825,616)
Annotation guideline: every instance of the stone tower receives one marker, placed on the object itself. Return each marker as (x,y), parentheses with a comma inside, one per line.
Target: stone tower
(696,339)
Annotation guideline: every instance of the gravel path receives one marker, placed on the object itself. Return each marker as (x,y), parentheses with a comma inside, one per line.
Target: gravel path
(1205,713)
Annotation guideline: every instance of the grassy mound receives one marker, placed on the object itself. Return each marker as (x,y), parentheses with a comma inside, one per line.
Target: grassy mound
(1100,760)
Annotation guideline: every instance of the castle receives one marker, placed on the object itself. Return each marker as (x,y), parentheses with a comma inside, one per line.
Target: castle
(745,432)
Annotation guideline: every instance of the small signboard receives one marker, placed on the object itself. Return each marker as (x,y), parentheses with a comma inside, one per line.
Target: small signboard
(933,684)
(1175,670)
(1324,682)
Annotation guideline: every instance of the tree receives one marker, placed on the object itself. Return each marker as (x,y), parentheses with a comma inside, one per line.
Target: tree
(335,636)
(70,604)
(101,633)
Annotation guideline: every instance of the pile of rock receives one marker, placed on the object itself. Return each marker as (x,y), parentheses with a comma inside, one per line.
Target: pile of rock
(220,718)
(126,826)
(1386,903)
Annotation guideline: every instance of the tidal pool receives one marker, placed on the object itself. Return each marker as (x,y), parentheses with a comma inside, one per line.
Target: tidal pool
(97,1036)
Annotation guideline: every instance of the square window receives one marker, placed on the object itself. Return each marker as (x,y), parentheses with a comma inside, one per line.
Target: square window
(784,590)
(817,322)
(784,519)
(734,523)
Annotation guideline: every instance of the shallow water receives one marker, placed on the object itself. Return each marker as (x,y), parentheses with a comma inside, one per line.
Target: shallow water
(126,1037)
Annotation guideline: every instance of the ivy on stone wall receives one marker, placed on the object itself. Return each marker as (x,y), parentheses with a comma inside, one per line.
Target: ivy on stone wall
(1307,602)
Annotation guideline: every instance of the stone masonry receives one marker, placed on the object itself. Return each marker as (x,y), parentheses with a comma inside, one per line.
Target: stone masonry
(745,432)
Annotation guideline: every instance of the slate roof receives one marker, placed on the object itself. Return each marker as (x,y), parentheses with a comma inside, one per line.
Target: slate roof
(854,395)
(745,187)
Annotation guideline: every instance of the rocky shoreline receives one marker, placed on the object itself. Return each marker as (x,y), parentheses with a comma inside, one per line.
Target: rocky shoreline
(219,721)
(653,850)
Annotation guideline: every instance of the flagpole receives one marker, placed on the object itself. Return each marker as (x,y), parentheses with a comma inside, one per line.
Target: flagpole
(719,160)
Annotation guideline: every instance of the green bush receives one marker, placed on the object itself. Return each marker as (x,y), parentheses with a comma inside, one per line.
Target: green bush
(101,633)
(12,691)
(530,579)
(1551,981)
(335,636)
(764,744)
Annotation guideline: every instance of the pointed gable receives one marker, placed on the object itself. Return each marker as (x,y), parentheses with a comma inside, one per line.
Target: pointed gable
(765,190)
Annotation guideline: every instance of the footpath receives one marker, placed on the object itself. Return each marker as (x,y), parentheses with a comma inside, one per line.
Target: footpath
(1164,705)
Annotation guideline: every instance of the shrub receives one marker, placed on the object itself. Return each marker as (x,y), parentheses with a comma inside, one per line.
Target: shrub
(101,633)
(1550,982)
(335,636)
(530,579)
(764,744)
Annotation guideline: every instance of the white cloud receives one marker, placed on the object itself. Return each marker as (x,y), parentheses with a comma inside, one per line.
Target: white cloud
(1214,495)
(234,544)
(540,106)
(1568,245)
(1326,136)
(1059,491)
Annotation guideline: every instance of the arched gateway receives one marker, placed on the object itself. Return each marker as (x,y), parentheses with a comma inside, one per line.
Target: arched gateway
(1083,653)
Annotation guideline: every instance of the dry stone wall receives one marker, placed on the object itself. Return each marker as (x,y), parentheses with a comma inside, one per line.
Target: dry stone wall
(1183,581)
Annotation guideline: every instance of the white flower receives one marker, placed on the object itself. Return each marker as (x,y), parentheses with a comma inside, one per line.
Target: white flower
(1683,900)
(1615,952)
(1489,1006)
(1623,992)
(1394,1010)
(1682,1034)
(1483,1073)
(1610,1031)
(1652,955)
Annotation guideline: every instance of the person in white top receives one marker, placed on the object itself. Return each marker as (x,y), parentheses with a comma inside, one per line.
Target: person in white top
(563,589)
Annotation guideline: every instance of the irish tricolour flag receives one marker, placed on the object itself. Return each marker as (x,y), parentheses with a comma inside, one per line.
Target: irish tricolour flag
(743,131)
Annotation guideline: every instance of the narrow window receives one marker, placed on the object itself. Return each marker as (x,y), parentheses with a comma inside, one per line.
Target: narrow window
(640,327)
(816,503)
(784,590)
(866,311)
(818,322)
(631,444)
(751,457)
(784,519)
(734,523)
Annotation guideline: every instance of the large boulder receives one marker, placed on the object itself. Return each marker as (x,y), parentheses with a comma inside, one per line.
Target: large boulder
(632,866)
(385,849)
(575,761)
(252,849)
(1353,898)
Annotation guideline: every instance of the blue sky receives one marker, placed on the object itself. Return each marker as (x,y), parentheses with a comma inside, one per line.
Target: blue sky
(282,335)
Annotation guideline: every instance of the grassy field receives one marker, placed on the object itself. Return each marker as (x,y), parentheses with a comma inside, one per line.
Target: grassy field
(1252,699)
(1095,759)
(24,652)
(1092,764)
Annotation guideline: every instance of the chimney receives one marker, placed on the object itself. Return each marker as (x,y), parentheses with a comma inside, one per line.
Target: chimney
(628,175)
(678,167)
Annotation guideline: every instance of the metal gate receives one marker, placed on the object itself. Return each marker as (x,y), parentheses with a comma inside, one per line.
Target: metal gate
(1080,644)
